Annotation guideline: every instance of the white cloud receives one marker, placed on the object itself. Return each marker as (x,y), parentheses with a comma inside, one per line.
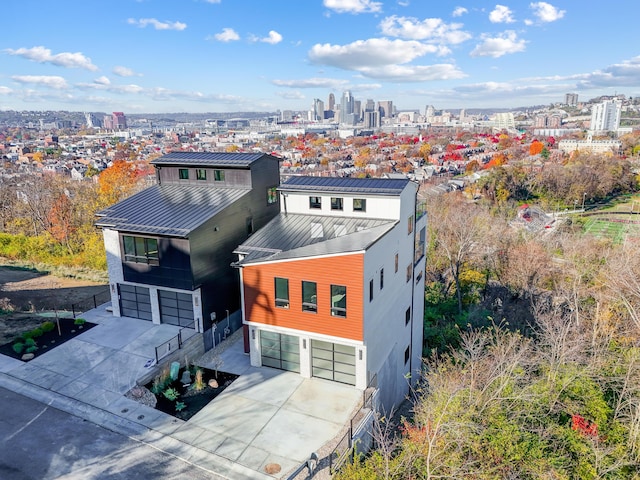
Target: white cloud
(428,29)
(290,95)
(157,24)
(102,80)
(459,11)
(625,74)
(501,14)
(353,6)
(51,81)
(273,38)
(5,90)
(403,3)
(545,12)
(311,83)
(413,73)
(495,47)
(212,1)
(227,35)
(65,59)
(124,72)
(373,52)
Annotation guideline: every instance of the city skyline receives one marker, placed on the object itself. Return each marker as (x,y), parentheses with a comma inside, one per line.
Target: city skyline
(147,56)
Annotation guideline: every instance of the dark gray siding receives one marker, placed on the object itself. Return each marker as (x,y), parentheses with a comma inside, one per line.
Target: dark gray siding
(174,270)
(233,177)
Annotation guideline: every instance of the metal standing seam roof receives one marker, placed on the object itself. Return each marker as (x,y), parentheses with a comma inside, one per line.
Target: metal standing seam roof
(171,210)
(346,185)
(290,236)
(211,159)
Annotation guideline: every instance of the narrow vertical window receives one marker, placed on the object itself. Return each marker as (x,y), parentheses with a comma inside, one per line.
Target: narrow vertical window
(218,175)
(309,297)
(410,224)
(272,195)
(396,263)
(407,316)
(201,174)
(282,292)
(183,174)
(407,354)
(381,278)
(371,289)
(409,272)
(338,300)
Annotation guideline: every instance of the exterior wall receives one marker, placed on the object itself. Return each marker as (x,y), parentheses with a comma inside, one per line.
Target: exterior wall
(114,265)
(377,207)
(259,295)
(233,177)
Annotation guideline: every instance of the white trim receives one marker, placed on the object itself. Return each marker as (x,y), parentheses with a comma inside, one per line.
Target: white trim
(330,255)
(305,334)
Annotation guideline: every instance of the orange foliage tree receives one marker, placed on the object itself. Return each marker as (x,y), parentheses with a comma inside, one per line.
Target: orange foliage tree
(536,147)
(117,182)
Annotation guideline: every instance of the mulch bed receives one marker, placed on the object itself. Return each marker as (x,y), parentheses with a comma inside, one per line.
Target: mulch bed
(49,340)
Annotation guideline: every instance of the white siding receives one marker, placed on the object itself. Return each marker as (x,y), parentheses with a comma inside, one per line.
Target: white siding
(376,206)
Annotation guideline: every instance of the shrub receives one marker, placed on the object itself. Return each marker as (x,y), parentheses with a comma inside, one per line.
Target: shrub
(79,321)
(180,406)
(171,394)
(48,326)
(198,384)
(18,347)
(31,349)
(30,342)
(37,332)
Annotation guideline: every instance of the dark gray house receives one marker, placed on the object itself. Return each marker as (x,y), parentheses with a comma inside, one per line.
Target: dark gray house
(170,247)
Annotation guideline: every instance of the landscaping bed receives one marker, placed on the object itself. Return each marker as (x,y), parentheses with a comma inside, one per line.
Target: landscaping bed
(183,397)
(44,337)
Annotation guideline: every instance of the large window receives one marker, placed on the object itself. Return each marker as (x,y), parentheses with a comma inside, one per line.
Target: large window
(272,195)
(336,203)
(309,297)
(218,175)
(282,292)
(140,250)
(201,174)
(359,204)
(183,174)
(420,244)
(338,300)
(315,202)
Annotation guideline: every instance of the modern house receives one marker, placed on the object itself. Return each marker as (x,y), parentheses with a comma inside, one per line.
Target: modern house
(170,247)
(333,286)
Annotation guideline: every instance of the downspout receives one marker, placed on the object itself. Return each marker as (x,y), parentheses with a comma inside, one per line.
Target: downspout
(413,285)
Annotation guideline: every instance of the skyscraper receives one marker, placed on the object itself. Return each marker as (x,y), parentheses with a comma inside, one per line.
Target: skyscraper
(317,113)
(571,99)
(386,109)
(605,116)
(332,102)
(347,108)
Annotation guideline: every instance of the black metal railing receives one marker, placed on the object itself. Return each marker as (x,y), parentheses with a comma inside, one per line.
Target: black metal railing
(169,346)
(344,450)
(88,303)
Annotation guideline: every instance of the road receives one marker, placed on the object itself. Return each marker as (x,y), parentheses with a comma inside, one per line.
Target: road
(41,442)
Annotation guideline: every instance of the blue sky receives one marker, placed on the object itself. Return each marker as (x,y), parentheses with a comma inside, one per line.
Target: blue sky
(155,56)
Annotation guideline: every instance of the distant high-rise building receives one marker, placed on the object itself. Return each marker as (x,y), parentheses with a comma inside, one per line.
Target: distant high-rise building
(429,111)
(107,122)
(119,121)
(370,105)
(347,106)
(605,116)
(385,108)
(371,119)
(571,99)
(317,113)
(332,102)
(463,114)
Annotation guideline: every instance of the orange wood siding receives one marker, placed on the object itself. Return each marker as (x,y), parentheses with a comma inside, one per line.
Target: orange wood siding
(347,270)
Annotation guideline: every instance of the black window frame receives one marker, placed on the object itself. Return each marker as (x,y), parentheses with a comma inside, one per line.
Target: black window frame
(407,354)
(201,174)
(381,278)
(315,203)
(337,203)
(183,174)
(272,195)
(218,175)
(371,290)
(363,205)
(309,297)
(145,250)
(281,301)
(336,309)
(407,316)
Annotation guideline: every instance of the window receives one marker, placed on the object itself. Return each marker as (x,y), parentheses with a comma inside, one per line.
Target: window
(338,301)
(381,278)
(282,292)
(407,316)
(218,175)
(249,226)
(409,272)
(420,244)
(140,250)
(410,224)
(371,289)
(396,263)
(359,205)
(315,202)
(336,203)
(183,174)
(407,354)
(201,174)
(272,195)
(309,297)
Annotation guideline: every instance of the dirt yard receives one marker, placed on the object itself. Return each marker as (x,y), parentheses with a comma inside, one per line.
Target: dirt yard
(25,292)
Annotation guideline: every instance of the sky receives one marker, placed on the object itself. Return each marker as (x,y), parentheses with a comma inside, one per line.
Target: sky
(167,56)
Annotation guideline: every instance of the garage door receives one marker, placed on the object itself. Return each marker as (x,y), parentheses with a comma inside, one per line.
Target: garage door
(176,308)
(135,302)
(333,362)
(281,351)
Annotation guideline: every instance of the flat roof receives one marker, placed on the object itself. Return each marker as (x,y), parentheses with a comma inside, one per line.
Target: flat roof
(290,236)
(371,186)
(169,210)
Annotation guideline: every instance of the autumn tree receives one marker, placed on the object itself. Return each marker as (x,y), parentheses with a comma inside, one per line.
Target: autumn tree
(117,182)
(535,148)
